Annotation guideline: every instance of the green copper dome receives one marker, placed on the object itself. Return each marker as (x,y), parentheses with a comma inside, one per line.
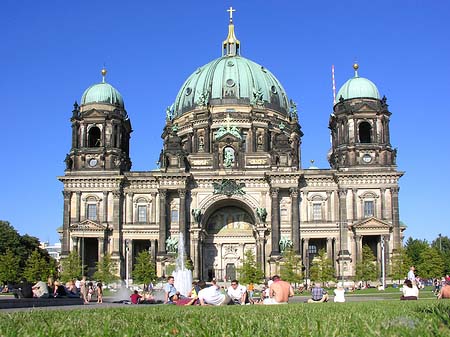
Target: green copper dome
(102,93)
(231,78)
(358,87)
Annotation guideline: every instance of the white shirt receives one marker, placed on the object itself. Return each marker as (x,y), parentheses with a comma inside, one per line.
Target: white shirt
(339,295)
(411,276)
(236,294)
(407,291)
(211,295)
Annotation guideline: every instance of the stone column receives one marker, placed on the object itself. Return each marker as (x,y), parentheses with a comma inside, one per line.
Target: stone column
(383,202)
(75,244)
(305,256)
(358,245)
(275,222)
(182,220)
(105,207)
(65,249)
(295,220)
(117,224)
(162,222)
(196,252)
(77,206)
(343,226)
(130,209)
(330,248)
(395,218)
(354,204)
(101,248)
(329,206)
(153,217)
(386,252)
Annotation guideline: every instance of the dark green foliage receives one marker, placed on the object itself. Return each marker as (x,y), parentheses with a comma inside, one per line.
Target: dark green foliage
(9,267)
(414,248)
(366,269)
(37,268)
(71,267)
(250,272)
(106,270)
(432,265)
(144,269)
(443,245)
(400,264)
(291,267)
(322,268)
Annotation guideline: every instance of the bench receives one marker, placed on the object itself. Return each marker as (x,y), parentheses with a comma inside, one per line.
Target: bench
(12,303)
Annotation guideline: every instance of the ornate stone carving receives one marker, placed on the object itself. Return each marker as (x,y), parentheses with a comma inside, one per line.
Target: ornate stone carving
(172,244)
(228,187)
(285,244)
(261,212)
(197,215)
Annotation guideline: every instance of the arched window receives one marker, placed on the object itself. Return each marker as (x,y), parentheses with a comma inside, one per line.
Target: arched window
(91,208)
(94,137)
(365,132)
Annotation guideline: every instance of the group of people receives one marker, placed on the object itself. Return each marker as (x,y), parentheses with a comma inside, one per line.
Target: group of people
(278,292)
(411,287)
(55,289)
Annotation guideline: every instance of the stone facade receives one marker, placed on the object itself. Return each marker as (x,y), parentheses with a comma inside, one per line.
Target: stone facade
(230,180)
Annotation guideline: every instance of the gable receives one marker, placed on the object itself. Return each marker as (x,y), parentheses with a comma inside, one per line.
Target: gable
(87,226)
(371,224)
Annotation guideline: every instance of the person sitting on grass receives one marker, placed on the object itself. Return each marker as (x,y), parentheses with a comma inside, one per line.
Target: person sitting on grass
(212,295)
(410,291)
(445,291)
(135,298)
(182,301)
(279,291)
(238,293)
(318,294)
(40,289)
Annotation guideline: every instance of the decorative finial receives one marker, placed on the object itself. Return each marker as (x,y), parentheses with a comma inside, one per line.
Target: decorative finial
(231,44)
(104,72)
(231,10)
(312,161)
(356,67)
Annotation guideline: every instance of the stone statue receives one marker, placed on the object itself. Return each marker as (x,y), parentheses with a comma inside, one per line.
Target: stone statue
(197,214)
(172,244)
(170,114)
(203,99)
(257,97)
(228,158)
(69,162)
(293,109)
(261,212)
(285,244)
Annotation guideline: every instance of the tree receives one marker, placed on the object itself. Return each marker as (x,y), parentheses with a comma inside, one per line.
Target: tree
(291,267)
(71,267)
(322,268)
(414,248)
(250,272)
(36,268)
(144,269)
(106,271)
(9,267)
(442,243)
(366,269)
(432,265)
(400,264)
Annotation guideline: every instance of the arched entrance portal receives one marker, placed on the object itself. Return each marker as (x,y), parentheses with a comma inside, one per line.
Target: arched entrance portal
(228,234)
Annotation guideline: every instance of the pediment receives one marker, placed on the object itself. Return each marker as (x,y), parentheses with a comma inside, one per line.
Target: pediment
(87,226)
(372,223)
(93,113)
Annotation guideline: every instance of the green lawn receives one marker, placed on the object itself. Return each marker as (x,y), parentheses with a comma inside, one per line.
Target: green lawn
(377,318)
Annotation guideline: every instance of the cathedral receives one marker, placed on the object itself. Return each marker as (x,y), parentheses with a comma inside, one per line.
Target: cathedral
(229,177)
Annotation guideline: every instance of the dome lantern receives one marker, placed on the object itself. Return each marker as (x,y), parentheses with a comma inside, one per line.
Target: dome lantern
(231,44)
(358,87)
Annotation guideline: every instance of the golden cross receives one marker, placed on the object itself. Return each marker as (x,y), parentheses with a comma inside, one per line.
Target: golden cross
(231,10)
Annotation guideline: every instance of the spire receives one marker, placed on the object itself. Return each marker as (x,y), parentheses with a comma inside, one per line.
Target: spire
(104,72)
(356,67)
(231,44)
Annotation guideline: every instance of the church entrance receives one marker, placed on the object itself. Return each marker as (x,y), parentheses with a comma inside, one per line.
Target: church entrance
(229,233)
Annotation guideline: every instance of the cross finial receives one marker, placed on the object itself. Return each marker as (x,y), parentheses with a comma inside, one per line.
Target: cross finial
(231,10)
(228,119)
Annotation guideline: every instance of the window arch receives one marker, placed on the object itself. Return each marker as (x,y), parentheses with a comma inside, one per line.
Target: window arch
(94,137)
(369,204)
(92,205)
(365,132)
(142,210)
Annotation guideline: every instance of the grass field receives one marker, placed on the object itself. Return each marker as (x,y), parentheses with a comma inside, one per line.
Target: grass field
(377,318)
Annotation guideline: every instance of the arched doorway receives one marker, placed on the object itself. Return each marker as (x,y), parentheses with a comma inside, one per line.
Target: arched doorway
(228,234)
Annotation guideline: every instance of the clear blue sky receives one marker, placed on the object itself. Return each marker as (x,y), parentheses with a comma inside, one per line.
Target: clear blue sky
(51,51)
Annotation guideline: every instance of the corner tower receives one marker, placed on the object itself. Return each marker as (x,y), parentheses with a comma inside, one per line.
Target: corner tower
(359,127)
(100,131)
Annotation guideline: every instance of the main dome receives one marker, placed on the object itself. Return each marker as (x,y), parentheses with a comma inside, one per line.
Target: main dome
(231,78)
(358,87)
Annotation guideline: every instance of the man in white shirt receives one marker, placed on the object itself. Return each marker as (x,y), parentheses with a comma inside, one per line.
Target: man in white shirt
(211,295)
(237,293)
(411,275)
